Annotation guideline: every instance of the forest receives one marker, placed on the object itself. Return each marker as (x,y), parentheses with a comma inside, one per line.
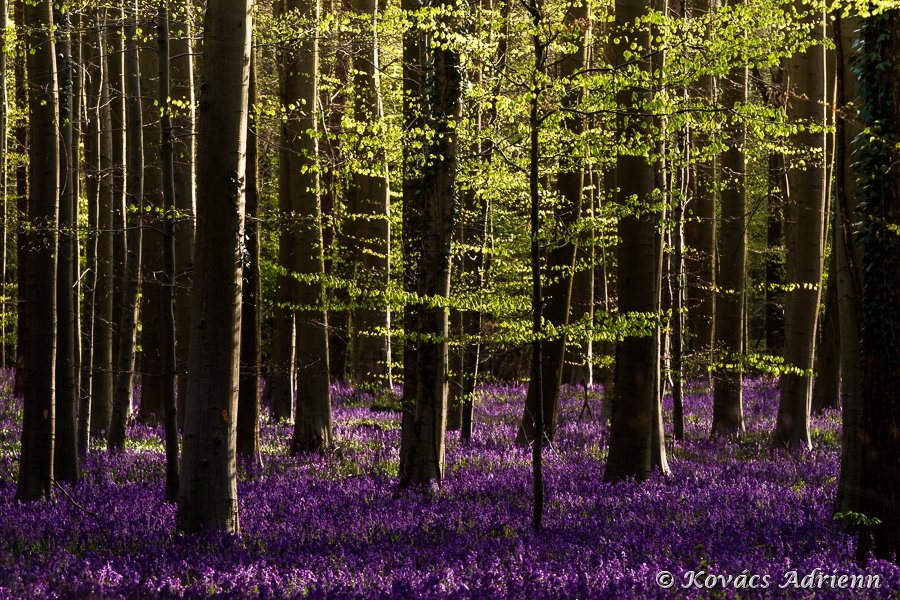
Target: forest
(450,299)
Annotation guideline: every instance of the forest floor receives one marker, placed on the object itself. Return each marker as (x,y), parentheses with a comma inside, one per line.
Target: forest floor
(334,526)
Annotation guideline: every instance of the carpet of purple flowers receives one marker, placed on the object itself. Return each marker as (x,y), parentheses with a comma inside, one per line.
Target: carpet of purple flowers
(333,525)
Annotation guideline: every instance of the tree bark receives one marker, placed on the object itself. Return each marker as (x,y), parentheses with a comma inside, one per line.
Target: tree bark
(422,462)
(372,317)
(728,409)
(248,395)
(775,256)
(116,77)
(131,284)
(827,388)
(806,227)
(207,493)
(637,358)
(102,380)
(36,461)
(850,276)
(65,457)
(312,415)
(879,240)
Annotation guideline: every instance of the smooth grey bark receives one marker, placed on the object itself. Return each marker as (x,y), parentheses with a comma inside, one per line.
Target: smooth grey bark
(312,414)
(207,492)
(806,228)
(248,382)
(38,428)
(131,283)
(65,455)
(371,229)
(728,409)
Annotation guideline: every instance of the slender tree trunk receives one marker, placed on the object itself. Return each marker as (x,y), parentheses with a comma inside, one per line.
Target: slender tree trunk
(849,264)
(102,384)
(372,318)
(38,427)
(181,66)
(312,415)
(94,74)
(248,396)
(827,387)
(4,187)
(413,208)
(134,193)
(637,358)
(775,256)
(21,137)
(116,77)
(167,309)
(728,409)
(153,250)
(207,492)
(701,261)
(879,240)
(806,191)
(65,457)
(561,259)
(422,461)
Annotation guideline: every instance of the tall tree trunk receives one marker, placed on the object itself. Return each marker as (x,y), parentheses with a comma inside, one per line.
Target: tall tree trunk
(36,460)
(413,207)
(372,317)
(280,370)
(849,264)
(422,462)
(153,250)
(207,492)
(312,415)
(116,77)
(806,228)
(560,259)
(134,192)
(4,187)
(102,380)
(728,409)
(21,137)
(248,395)
(701,261)
(167,308)
(827,387)
(93,74)
(637,358)
(65,457)
(775,256)
(181,66)
(879,86)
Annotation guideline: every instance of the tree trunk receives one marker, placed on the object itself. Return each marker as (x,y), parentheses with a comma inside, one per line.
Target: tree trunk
(879,240)
(4,187)
(116,77)
(849,264)
(94,74)
(312,415)
(131,284)
(167,308)
(21,136)
(775,256)
(36,460)
(181,66)
(248,396)
(560,259)
(806,190)
(827,388)
(637,358)
(65,453)
(413,208)
(207,493)
(422,462)
(728,409)
(153,250)
(102,381)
